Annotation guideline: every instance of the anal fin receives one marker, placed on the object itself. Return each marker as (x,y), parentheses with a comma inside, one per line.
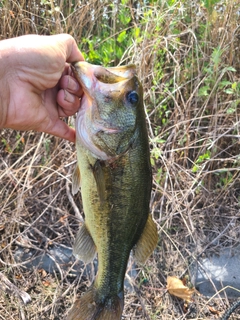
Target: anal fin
(84,247)
(147,242)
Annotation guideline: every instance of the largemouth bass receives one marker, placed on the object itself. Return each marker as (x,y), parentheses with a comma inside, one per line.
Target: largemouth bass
(114,172)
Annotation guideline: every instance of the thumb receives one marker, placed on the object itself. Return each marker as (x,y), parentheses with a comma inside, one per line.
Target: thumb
(62,130)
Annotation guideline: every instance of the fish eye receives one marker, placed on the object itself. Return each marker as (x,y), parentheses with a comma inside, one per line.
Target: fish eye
(132,97)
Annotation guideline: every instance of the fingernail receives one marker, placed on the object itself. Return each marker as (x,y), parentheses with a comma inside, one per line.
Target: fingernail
(72,84)
(68,97)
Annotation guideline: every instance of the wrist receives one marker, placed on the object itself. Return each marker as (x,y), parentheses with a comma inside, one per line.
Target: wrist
(5,57)
(4,100)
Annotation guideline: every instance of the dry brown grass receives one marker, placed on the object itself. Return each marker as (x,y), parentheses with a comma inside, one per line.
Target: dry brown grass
(195,201)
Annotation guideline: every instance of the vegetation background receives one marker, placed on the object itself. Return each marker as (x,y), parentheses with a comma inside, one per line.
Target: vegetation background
(188,58)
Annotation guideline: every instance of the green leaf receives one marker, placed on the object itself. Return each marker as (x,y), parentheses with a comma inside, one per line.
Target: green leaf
(203,91)
(121,37)
(229,91)
(230,69)
(195,168)
(231,110)
(216,56)
(205,156)
(234,86)
(124,17)
(136,32)
(45,2)
(224,83)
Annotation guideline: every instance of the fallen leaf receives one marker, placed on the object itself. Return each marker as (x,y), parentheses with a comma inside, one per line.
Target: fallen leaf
(213,310)
(46,283)
(63,218)
(42,272)
(185,307)
(11,13)
(176,287)
(3,244)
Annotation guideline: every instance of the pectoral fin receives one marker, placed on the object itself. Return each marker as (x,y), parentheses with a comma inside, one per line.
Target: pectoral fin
(147,242)
(84,247)
(76,180)
(100,179)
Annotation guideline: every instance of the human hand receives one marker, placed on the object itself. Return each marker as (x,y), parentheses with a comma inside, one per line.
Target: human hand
(36,84)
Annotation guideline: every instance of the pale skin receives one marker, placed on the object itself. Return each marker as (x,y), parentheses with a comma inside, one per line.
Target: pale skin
(37,87)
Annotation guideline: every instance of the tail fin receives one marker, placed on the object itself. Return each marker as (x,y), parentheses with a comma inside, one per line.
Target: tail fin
(86,308)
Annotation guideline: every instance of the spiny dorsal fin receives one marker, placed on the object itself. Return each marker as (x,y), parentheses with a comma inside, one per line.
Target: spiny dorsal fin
(100,179)
(147,242)
(84,247)
(76,180)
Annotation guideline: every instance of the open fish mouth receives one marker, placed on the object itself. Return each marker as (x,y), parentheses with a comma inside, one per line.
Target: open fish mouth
(85,71)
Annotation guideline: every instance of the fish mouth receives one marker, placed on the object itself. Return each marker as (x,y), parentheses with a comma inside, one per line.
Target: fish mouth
(86,72)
